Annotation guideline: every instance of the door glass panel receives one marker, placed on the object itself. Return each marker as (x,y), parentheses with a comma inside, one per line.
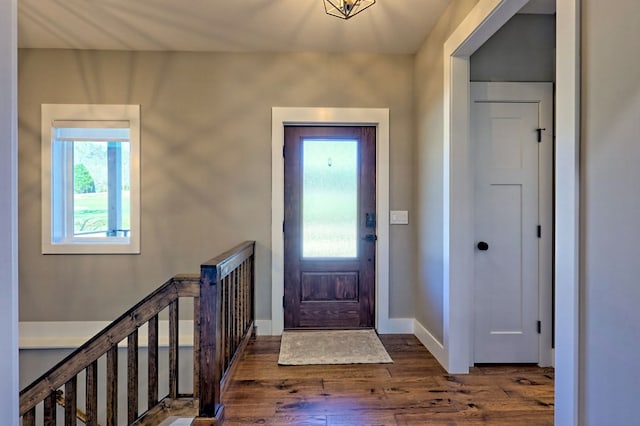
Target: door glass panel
(329,198)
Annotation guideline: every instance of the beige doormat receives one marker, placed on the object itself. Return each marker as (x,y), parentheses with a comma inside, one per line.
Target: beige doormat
(332,347)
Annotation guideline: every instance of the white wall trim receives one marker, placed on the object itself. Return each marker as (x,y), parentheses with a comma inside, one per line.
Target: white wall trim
(263,328)
(378,117)
(567,348)
(73,334)
(9,385)
(431,343)
(483,21)
(399,326)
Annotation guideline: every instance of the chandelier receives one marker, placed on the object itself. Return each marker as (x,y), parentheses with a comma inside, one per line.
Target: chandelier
(345,9)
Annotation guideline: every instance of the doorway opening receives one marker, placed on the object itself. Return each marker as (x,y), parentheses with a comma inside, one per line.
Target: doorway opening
(483,21)
(377,118)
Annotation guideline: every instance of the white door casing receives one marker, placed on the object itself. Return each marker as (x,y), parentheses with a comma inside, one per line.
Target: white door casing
(379,117)
(513,190)
(487,17)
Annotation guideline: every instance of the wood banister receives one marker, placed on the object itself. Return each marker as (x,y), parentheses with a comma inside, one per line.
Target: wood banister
(50,409)
(132,377)
(222,315)
(71,401)
(98,345)
(173,350)
(152,362)
(223,322)
(112,386)
(210,343)
(92,394)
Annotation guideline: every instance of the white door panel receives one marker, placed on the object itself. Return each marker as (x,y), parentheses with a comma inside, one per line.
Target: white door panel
(506,217)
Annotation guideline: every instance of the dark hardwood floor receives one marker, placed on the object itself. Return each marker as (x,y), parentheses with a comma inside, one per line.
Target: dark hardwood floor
(414,390)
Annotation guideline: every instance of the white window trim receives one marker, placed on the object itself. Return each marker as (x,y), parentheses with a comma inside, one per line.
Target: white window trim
(58,112)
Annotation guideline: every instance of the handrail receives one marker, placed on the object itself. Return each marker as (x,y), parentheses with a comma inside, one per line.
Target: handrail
(109,337)
(223,296)
(226,323)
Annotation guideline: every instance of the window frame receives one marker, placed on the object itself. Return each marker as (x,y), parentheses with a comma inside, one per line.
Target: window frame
(88,113)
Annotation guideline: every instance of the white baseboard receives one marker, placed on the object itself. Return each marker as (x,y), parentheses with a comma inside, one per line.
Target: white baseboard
(431,343)
(396,326)
(72,334)
(263,328)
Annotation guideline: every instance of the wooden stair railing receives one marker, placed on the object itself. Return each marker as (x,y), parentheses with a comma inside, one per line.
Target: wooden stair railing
(80,415)
(223,322)
(226,324)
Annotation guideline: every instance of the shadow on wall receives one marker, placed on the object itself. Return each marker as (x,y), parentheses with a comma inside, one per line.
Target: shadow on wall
(205,162)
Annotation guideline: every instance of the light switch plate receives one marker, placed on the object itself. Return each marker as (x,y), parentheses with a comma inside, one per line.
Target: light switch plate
(399,217)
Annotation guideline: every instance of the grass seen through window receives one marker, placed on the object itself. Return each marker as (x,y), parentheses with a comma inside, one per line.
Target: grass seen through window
(90,213)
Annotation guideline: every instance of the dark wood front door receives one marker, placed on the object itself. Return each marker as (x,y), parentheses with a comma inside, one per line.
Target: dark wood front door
(330,226)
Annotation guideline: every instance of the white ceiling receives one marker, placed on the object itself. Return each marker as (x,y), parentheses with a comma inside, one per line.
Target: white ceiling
(389,26)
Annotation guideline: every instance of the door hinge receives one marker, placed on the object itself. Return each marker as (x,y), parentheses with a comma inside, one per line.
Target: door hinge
(539,130)
(539,327)
(539,231)
(283,301)
(283,151)
(283,226)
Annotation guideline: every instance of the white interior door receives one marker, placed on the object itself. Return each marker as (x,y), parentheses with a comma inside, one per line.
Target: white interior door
(506,154)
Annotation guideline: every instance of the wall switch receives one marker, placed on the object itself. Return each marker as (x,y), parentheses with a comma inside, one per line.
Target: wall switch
(399,217)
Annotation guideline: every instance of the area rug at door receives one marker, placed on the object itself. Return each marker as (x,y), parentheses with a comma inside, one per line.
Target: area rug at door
(332,347)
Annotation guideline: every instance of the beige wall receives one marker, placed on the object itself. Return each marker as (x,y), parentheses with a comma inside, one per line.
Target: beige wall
(610,213)
(206,164)
(428,167)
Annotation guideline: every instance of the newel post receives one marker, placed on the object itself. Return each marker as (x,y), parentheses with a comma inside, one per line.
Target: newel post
(210,410)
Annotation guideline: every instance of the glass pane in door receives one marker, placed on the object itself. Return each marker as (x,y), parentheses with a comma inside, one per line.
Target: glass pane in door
(329,198)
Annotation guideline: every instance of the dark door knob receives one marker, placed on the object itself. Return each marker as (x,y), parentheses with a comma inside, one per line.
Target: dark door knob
(483,246)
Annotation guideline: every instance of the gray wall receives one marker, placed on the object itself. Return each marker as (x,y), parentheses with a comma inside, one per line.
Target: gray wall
(522,50)
(428,176)
(205,167)
(610,212)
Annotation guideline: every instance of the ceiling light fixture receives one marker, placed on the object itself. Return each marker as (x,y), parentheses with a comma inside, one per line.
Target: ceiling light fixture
(346,9)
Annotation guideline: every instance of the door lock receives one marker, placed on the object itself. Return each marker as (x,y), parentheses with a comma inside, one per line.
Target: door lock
(370,220)
(482,246)
(370,237)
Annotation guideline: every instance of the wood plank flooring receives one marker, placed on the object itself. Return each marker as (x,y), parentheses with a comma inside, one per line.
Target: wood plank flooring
(414,390)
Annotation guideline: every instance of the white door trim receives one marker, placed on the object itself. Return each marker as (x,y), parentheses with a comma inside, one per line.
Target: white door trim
(487,17)
(567,215)
(483,21)
(9,388)
(379,117)
(542,94)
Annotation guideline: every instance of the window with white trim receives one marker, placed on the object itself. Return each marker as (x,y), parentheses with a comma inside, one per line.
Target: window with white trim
(90,178)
